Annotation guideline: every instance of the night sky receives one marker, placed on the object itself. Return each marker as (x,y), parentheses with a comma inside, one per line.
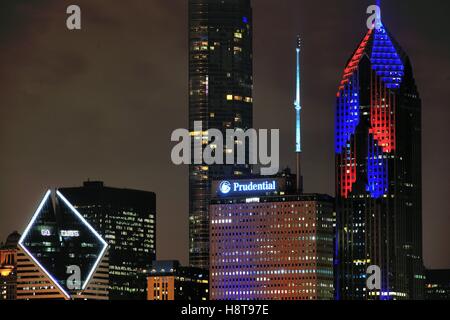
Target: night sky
(101,103)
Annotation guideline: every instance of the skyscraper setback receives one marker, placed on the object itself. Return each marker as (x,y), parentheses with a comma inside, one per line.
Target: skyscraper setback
(378,172)
(220,96)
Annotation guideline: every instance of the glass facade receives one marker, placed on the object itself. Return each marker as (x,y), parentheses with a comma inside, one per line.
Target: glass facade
(220,97)
(127,221)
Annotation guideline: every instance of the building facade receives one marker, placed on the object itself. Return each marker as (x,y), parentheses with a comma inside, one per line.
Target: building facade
(126,219)
(61,257)
(378,172)
(168,281)
(8,267)
(437,285)
(220,97)
(268,245)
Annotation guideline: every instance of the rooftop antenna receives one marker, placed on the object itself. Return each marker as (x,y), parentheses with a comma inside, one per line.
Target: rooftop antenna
(298,132)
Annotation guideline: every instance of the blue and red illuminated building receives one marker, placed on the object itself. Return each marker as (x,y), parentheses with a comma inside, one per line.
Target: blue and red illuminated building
(378,172)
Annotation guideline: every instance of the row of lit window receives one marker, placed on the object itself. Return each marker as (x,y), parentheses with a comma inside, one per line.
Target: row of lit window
(251,284)
(263,272)
(266,292)
(231,97)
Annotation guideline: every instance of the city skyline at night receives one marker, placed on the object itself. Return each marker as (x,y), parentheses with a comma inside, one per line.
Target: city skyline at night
(101,103)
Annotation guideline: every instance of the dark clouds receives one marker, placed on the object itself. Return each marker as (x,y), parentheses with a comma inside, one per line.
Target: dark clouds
(101,103)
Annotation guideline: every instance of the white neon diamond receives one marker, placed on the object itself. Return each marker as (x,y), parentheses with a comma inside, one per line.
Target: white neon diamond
(27,230)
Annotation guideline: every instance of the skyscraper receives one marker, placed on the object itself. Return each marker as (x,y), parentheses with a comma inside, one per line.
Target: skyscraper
(220,96)
(267,244)
(127,221)
(378,172)
(60,255)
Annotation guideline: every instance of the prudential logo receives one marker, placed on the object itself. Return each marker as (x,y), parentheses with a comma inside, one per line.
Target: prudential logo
(225,187)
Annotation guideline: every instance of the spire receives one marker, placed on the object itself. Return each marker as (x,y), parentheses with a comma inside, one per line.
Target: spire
(297,103)
(298,108)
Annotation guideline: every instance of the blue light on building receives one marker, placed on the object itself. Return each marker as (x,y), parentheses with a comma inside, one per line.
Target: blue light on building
(347,117)
(385,60)
(377,171)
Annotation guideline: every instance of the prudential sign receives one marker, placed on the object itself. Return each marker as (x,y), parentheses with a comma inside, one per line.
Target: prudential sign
(227,188)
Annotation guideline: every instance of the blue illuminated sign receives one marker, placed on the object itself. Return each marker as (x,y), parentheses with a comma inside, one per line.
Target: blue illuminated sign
(241,187)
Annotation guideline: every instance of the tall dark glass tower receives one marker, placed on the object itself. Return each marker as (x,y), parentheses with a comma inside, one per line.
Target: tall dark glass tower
(378,172)
(220,96)
(127,221)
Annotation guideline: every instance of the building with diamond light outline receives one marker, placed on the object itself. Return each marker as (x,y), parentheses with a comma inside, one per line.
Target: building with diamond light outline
(60,255)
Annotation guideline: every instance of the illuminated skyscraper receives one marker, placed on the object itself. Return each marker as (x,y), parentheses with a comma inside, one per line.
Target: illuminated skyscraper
(60,255)
(267,244)
(220,96)
(127,221)
(378,172)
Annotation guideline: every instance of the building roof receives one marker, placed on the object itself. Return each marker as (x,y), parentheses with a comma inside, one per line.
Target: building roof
(386,56)
(11,241)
